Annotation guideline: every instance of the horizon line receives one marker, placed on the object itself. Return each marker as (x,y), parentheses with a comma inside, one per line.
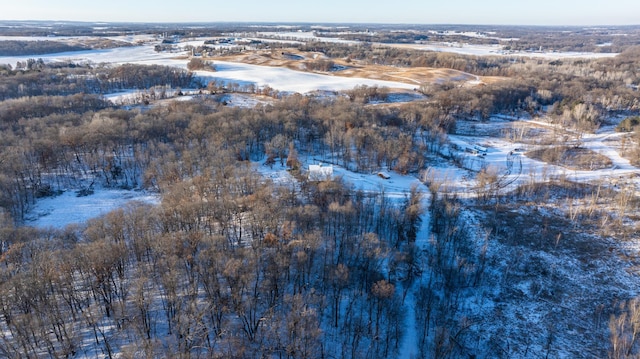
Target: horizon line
(312,23)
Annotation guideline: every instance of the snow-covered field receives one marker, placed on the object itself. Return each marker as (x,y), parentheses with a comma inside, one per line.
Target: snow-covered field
(497,50)
(125,38)
(121,55)
(281,79)
(284,79)
(68,208)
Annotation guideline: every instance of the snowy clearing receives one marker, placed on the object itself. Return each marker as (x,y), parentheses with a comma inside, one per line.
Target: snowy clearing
(120,55)
(67,208)
(284,79)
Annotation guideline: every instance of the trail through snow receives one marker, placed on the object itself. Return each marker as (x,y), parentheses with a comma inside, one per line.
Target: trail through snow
(409,348)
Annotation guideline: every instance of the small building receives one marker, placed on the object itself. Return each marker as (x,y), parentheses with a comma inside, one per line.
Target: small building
(480,149)
(383,175)
(320,172)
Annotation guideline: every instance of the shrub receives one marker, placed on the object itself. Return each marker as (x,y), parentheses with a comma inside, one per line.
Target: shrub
(628,124)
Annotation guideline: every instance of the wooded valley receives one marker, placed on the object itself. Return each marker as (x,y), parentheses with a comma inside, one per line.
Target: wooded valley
(233,263)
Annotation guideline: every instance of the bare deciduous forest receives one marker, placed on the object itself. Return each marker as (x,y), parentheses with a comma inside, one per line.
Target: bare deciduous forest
(234,264)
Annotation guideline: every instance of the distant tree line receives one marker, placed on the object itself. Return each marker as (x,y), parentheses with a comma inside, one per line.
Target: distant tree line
(512,38)
(608,87)
(30,48)
(37,79)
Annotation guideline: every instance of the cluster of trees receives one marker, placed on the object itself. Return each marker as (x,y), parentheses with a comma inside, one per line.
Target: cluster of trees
(454,265)
(579,40)
(46,28)
(49,141)
(629,124)
(29,48)
(392,37)
(36,78)
(197,63)
(367,94)
(323,65)
(631,144)
(228,266)
(580,93)
(515,38)
(13,110)
(601,72)
(367,53)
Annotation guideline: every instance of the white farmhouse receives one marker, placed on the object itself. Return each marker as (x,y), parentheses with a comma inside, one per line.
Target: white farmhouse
(320,172)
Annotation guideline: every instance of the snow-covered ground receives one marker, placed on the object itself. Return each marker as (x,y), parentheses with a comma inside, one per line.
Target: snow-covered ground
(453,47)
(303,36)
(551,55)
(125,38)
(497,50)
(396,188)
(284,79)
(37,38)
(68,208)
(128,97)
(145,53)
(123,97)
(281,79)
(120,55)
(243,100)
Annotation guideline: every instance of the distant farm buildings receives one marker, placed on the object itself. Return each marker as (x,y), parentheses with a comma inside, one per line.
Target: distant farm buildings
(476,150)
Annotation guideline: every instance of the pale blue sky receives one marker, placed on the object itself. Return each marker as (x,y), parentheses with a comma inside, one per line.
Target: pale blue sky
(540,12)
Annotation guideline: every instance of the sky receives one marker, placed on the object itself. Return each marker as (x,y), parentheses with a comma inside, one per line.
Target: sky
(498,12)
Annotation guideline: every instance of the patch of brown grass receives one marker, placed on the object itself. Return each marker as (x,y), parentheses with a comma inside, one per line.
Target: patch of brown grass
(631,152)
(546,231)
(98,43)
(574,158)
(414,76)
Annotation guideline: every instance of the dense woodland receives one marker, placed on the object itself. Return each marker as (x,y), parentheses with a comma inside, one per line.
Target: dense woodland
(203,272)
(32,78)
(517,38)
(232,265)
(21,48)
